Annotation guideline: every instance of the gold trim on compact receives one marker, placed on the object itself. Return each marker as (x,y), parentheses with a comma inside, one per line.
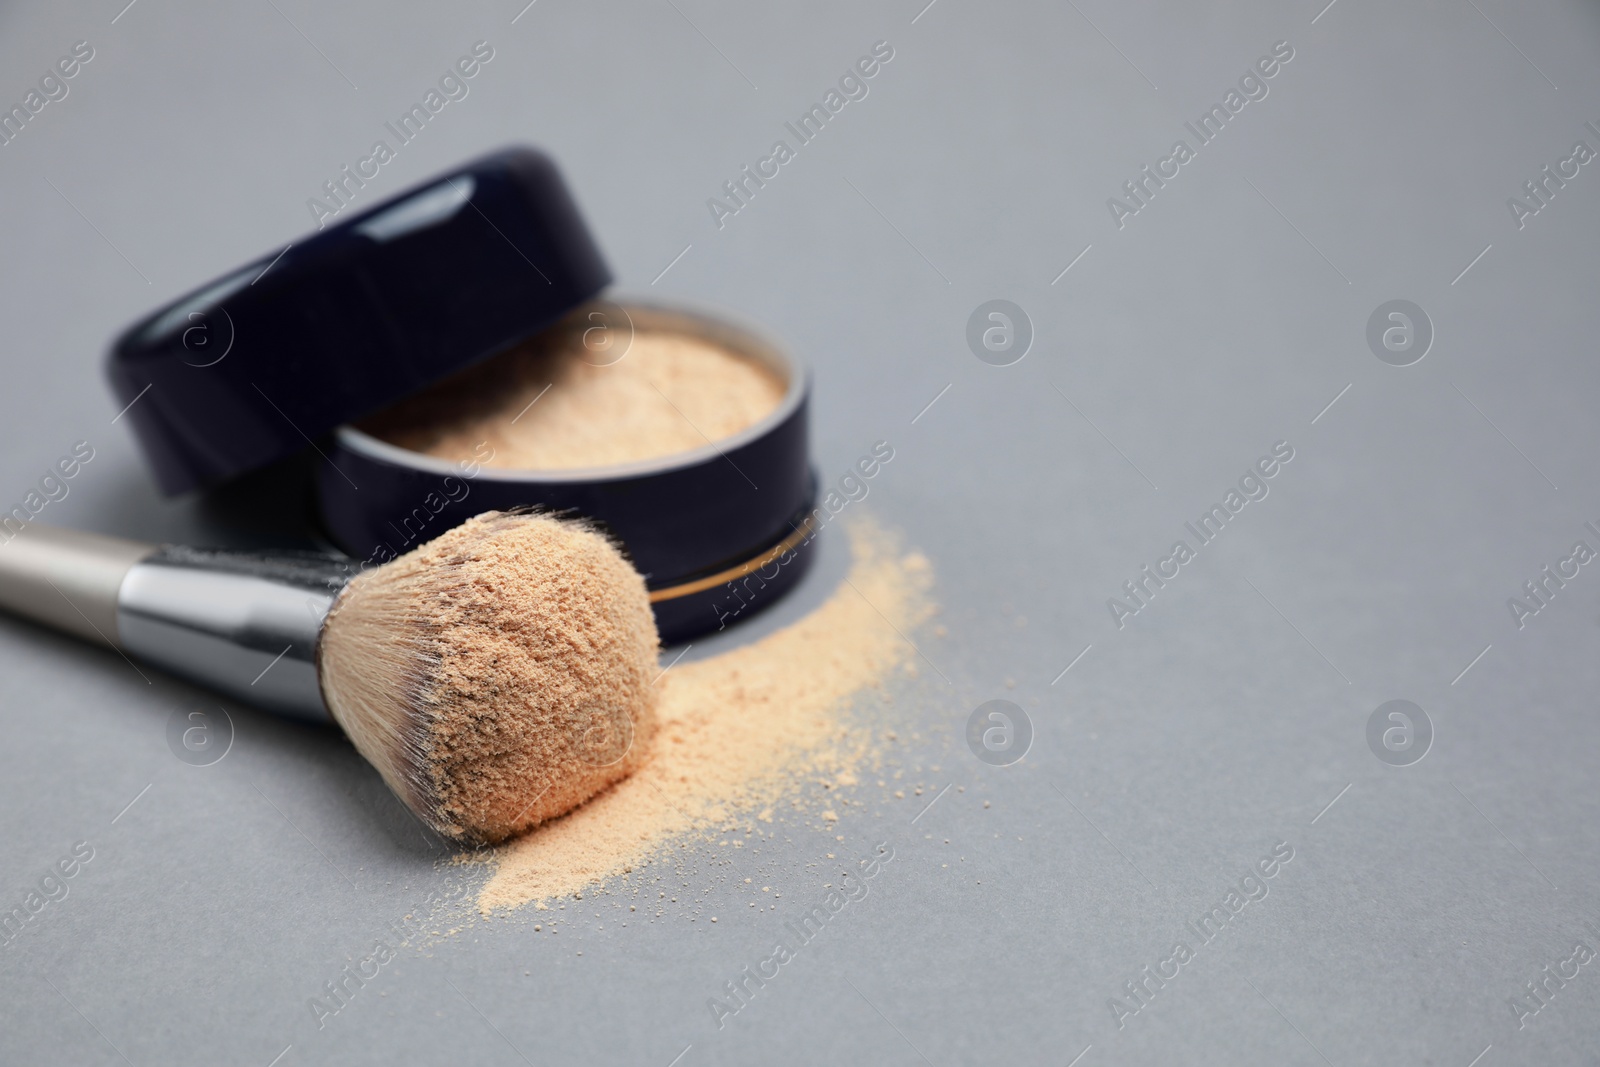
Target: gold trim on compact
(673,592)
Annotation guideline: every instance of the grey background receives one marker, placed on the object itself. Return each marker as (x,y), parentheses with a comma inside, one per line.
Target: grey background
(1224,317)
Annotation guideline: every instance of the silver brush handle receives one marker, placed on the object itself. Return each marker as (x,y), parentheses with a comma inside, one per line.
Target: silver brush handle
(243,624)
(240,623)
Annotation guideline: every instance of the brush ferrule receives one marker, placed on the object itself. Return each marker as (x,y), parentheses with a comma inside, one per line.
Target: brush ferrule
(243,624)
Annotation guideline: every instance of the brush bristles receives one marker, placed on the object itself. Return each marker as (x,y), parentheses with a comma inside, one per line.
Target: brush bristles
(497,676)
(376,661)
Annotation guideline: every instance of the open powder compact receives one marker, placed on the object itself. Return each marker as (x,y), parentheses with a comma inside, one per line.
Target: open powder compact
(690,449)
(448,353)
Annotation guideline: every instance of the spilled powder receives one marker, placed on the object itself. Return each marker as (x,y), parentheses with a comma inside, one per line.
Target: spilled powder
(738,734)
(550,404)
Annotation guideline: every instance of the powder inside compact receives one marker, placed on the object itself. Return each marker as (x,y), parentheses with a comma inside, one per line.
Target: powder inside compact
(554,404)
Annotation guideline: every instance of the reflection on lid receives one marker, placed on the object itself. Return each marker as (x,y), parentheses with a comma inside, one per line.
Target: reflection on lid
(181,316)
(430,207)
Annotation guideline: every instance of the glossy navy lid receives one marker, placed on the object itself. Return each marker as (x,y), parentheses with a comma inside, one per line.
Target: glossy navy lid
(265,360)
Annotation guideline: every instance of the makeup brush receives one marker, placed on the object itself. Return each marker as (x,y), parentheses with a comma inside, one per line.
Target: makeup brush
(496,676)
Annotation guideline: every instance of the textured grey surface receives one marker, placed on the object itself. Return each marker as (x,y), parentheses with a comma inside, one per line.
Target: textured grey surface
(1223,718)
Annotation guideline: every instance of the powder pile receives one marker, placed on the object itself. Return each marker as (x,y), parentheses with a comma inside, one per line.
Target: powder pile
(738,733)
(550,405)
(497,676)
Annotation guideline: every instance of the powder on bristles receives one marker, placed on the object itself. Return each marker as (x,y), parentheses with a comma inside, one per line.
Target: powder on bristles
(497,676)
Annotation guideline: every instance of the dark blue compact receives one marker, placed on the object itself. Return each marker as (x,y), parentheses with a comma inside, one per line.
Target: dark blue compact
(285,354)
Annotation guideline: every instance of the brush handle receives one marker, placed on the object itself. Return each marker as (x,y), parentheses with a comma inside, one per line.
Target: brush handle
(243,623)
(67,579)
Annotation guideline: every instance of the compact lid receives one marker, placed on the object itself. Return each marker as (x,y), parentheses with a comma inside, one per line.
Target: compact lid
(252,367)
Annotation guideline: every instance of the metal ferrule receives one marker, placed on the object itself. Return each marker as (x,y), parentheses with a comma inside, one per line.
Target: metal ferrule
(243,624)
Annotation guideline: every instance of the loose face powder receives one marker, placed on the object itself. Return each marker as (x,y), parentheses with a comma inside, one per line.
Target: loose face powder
(554,404)
(762,727)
